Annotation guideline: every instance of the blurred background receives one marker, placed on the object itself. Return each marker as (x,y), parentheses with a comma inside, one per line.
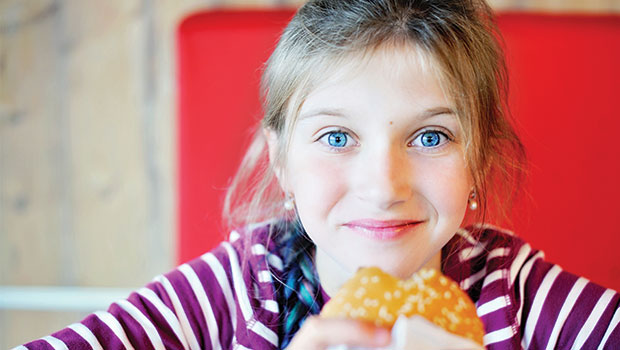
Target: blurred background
(87,150)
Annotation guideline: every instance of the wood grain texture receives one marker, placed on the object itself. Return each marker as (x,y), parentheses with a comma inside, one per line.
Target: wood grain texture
(31,189)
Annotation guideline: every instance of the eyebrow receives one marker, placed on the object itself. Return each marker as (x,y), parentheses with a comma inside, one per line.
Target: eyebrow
(323,111)
(426,114)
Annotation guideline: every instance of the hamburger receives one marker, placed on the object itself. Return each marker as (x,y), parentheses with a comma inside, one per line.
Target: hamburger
(375,296)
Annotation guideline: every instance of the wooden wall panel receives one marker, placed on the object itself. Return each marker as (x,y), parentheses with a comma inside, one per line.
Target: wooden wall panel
(31,186)
(109,180)
(87,136)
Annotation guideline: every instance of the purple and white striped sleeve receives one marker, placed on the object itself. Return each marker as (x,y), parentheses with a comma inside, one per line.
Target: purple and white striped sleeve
(188,308)
(143,321)
(559,310)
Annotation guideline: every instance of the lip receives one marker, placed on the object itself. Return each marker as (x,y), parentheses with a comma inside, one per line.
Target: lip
(381,229)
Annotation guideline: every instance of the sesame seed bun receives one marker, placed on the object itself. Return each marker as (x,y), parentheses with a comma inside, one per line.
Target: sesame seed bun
(375,296)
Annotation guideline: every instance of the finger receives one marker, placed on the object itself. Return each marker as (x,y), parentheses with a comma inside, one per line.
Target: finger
(319,333)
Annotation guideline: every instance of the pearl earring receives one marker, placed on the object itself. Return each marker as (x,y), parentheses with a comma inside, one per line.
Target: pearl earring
(473,203)
(289,204)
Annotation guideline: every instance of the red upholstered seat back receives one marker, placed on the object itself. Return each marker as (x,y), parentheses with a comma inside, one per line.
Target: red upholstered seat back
(564,95)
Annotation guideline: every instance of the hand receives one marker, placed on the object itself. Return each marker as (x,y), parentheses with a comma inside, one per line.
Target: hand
(320,333)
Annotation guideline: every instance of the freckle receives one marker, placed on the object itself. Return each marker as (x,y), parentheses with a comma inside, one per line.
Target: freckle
(391,122)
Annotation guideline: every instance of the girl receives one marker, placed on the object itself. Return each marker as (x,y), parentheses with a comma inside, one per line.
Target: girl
(385,133)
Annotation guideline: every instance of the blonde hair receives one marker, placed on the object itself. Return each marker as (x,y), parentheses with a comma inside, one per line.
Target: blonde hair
(462,42)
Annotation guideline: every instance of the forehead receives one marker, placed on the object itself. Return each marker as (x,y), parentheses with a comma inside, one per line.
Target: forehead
(402,72)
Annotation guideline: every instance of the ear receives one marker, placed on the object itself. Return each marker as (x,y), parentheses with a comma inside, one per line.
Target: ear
(272,143)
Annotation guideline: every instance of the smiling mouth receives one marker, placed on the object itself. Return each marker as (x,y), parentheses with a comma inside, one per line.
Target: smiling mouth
(381,230)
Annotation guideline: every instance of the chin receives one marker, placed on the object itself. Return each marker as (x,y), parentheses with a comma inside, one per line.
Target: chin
(401,269)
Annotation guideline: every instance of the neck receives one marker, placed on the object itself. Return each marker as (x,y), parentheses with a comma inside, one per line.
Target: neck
(333,275)
(434,262)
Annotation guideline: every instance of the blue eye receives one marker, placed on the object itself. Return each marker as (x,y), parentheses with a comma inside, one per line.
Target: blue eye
(337,139)
(430,139)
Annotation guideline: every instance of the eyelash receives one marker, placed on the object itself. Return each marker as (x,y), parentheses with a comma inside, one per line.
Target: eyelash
(323,139)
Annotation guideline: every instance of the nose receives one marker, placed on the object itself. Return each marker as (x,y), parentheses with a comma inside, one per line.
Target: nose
(384,176)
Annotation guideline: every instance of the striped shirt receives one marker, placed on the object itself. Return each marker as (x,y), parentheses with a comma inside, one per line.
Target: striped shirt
(228,299)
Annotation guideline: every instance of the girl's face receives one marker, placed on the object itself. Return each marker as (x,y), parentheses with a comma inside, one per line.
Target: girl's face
(377,168)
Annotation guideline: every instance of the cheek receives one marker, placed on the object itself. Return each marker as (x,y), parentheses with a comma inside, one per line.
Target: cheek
(448,190)
(317,185)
